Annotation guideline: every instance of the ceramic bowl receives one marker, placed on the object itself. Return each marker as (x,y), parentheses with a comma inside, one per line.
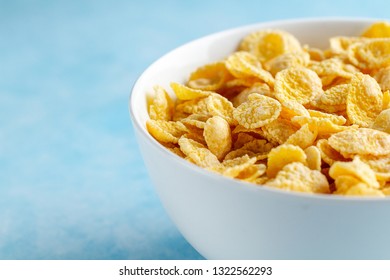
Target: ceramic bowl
(224,218)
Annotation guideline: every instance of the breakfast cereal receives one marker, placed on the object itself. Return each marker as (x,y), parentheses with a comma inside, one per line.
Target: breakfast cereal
(286,115)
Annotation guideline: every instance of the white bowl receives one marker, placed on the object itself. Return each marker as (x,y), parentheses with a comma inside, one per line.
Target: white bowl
(224,218)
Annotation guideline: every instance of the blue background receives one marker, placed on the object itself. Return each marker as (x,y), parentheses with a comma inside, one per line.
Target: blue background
(72,181)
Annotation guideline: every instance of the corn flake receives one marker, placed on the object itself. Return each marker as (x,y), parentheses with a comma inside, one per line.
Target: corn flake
(245,65)
(258,111)
(161,106)
(283,155)
(166,131)
(339,45)
(279,131)
(252,173)
(291,109)
(330,69)
(361,141)
(333,99)
(298,84)
(268,44)
(351,186)
(298,177)
(210,77)
(186,93)
(364,100)
(324,126)
(383,78)
(328,154)
(287,60)
(188,107)
(233,167)
(218,136)
(303,137)
(260,88)
(370,54)
(198,153)
(377,30)
(382,121)
(218,105)
(357,169)
(313,158)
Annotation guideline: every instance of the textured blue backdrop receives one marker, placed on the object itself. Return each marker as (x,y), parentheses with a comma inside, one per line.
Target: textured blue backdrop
(72,181)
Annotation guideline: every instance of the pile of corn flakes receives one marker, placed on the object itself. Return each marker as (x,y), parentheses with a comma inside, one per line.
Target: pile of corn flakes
(288,116)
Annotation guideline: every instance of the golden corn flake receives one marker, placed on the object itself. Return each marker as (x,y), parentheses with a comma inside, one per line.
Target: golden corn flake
(252,173)
(277,114)
(161,106)
(197,120)
(239,84)
(378,164)
(239,153)
(335,96)
(279,131)
(186,93)
(356,169)
(259,110)
(344,182)
(364,100)
(197,153)
(258,146)
(386,189)
(339,45)
(382,121)
(313,158)
(377,30)
(166,131)
(370,54)
(361,141)
(283,155)
(303,137)
(351,186)
(328,154)
(291,109)
(298,84)
(330,69)
(336,119)
(218,136)
(210,77)
(260,88)
(242,139)
(386,100)
(256,131)
(195,106)
(177,151)
(244,65)
(196,134)
(363,190)
(333,99)
(315,54)
(324,126)
(298,177)
(218,105)
(233,167)
(383,78)
(287,60)
(267,44)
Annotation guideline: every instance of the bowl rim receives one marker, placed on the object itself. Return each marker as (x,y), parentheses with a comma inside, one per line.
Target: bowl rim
(245,186)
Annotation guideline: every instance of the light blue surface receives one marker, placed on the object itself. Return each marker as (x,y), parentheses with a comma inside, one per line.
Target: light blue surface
(72,181)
